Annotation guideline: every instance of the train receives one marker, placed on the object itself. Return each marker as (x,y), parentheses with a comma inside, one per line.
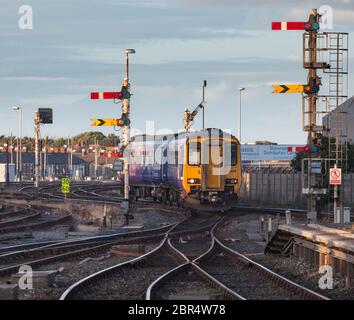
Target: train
(200,167)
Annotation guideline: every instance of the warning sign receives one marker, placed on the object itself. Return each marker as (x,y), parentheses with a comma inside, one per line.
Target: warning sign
(335,176)
(65,185)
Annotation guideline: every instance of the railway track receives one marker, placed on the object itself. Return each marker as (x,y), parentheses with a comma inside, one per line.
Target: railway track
(28,219)
(169,273)
(130,280)
(127,280)
(188,261)
(188,256)
(13,213)
(19,219)
(189,282)
(231,274)
(192,237)
(80,192)
(249,279)
(62,251)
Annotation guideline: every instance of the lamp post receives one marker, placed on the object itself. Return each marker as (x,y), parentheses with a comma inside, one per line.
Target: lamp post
(11,149)
(6,145)
(37,122)
(45,162)
(240,126)
(19,148)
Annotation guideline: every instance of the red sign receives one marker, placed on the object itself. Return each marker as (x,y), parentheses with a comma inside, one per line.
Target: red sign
(335,176)
(296,149)
(113,155)
(288,26)
(106,95)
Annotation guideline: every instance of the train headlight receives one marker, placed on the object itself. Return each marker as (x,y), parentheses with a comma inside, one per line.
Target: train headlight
(231,181)
(193,181)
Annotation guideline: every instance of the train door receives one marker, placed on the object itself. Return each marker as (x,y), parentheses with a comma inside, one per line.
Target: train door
(212,153)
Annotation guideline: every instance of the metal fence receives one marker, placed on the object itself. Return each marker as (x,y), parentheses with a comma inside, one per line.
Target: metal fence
(284,190)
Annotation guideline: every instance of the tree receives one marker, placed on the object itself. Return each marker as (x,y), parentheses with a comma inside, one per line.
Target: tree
(87,138)
(82,139)
(265,142)
(110,141)
(324,152)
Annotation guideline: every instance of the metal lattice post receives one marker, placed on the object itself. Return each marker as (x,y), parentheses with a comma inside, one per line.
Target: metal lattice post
(126,134)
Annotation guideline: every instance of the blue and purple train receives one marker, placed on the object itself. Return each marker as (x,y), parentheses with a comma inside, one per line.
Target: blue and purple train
(194,167)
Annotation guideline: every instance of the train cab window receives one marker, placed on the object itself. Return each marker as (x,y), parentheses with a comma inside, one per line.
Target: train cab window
(233,154)
(230,154)
(194,153)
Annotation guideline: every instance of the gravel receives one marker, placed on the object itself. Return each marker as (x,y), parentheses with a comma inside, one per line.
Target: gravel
(73,271)
(130,283)
(243,235)
(187,285)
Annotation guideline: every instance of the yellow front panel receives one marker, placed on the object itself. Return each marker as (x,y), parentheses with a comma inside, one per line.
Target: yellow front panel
(235,172)
(209,174)
(212,171)
(190,172)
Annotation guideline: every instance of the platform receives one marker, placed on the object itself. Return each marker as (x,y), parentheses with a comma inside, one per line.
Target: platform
(330,237)
(321,245)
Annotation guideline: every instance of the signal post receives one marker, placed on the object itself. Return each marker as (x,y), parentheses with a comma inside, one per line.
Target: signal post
(123,122)
(330,47)
(42,116)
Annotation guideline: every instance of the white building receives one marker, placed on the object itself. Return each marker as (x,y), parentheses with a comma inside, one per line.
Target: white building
(347,123)
(3,172)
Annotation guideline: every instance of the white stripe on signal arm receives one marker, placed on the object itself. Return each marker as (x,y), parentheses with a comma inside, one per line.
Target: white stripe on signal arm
(100,95)
(284,26)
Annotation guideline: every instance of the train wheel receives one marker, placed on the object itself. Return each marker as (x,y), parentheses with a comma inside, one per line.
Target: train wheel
(172,198)
(180,203)
(164,198)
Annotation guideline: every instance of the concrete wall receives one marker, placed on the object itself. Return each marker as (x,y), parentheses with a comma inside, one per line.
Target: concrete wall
(82,211)
(348,190)
(284,190)
(273,189)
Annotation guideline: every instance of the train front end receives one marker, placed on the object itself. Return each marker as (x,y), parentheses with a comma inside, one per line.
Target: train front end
(212,168)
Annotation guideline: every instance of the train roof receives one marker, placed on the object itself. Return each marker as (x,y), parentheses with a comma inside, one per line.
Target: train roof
(181,135)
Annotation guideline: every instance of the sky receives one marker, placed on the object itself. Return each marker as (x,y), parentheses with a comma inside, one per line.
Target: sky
(76,47)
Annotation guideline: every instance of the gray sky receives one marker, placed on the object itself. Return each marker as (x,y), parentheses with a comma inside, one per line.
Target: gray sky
(78,46)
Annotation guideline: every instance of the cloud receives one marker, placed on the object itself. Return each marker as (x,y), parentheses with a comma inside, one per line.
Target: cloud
(339,15)
(77,47)
(262,2)
(50,100)
(344,16)
(157,91)
(224,32)
(214,92)
(35,78)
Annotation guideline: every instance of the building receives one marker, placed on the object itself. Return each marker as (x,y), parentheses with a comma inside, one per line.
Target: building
(347,124)
(100,166)
(53,165)
(7,172)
